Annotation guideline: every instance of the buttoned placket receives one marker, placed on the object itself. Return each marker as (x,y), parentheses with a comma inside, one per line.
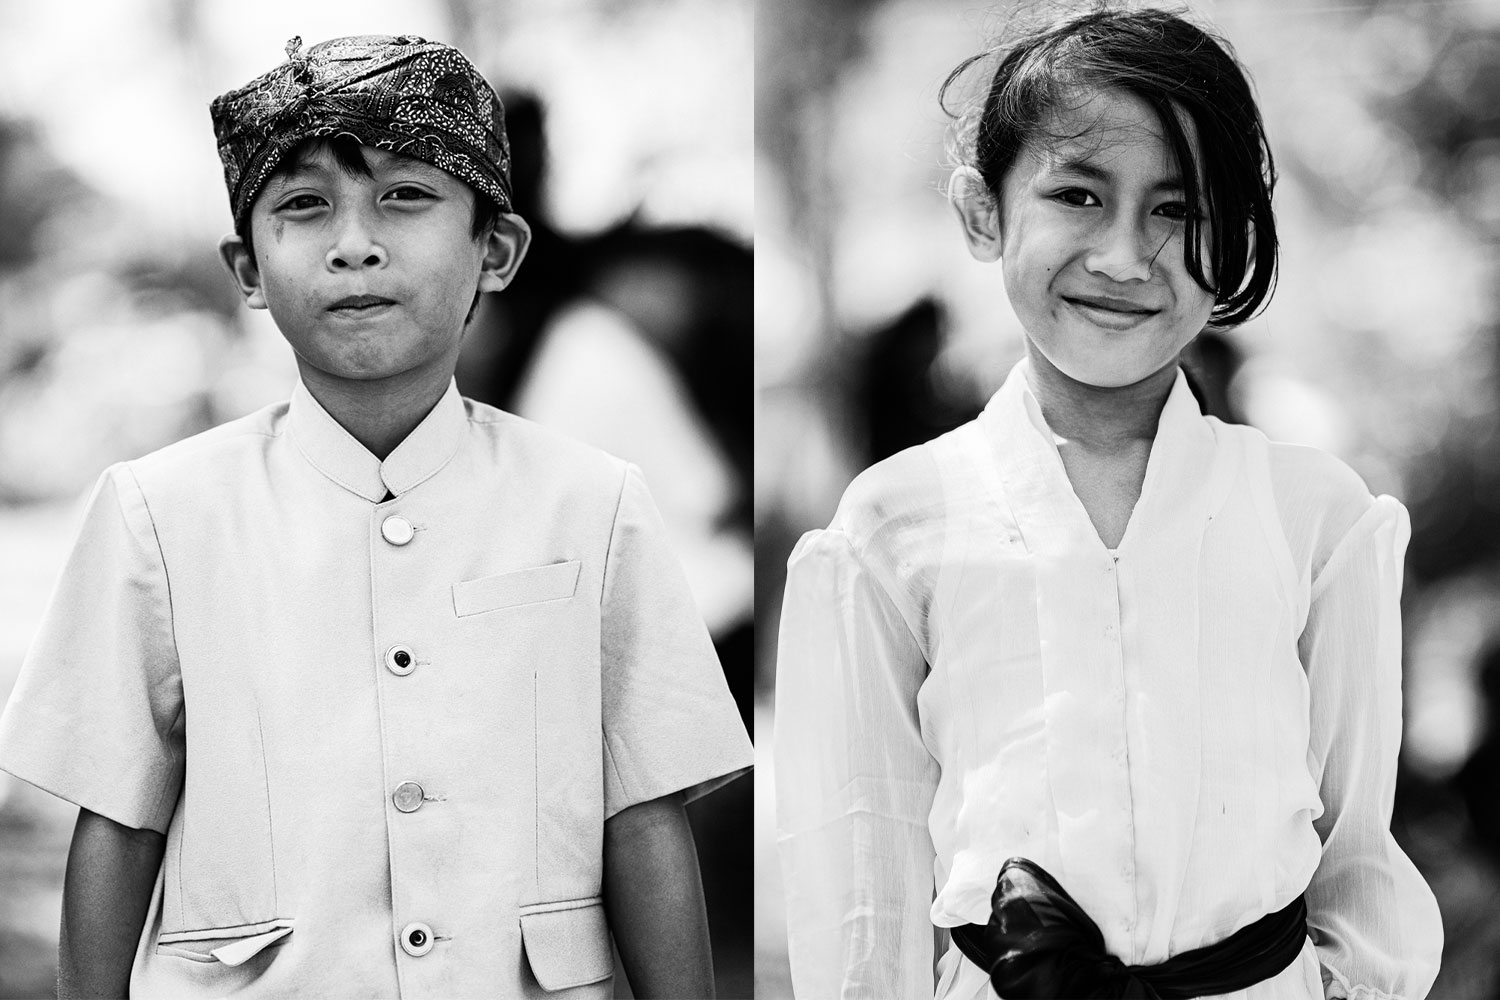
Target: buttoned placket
(1119,756)
(1093,653)
(395,553)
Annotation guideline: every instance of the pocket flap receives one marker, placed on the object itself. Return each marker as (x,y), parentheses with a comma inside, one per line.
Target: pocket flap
(567,943)
(522,586)
(227,945)
(244,949)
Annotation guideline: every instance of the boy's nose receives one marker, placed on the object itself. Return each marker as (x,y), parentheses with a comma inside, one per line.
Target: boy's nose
(355,250)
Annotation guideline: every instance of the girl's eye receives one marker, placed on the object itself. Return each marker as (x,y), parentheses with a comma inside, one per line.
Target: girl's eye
(1076,196)
(1174,210)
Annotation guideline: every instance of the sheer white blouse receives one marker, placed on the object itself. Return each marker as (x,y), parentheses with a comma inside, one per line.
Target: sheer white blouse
(1187,731)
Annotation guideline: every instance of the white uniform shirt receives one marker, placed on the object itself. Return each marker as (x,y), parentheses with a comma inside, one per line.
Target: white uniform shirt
(1187,731)
(382,738)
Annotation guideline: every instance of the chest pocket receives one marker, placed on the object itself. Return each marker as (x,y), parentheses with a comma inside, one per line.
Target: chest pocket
(555,582)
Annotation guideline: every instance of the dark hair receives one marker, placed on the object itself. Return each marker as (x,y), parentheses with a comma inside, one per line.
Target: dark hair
(1174,67)
(348,153)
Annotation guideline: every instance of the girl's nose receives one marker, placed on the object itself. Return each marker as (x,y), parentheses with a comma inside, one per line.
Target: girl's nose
(1124,252)
(355,249)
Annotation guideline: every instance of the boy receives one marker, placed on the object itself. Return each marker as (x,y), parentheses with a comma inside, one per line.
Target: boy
(378,692)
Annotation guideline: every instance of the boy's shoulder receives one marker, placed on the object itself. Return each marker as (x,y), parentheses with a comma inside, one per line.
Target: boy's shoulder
(529,450)
(195,455)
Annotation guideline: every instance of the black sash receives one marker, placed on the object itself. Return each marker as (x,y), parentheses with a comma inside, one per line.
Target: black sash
(1040,945)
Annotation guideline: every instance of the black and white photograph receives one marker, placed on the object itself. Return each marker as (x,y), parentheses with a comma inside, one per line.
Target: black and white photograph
(865,499)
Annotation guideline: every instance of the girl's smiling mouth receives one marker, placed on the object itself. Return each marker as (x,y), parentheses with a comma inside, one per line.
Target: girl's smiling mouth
(1108,312)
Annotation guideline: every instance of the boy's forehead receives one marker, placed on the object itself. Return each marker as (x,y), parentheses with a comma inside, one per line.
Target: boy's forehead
(319,159)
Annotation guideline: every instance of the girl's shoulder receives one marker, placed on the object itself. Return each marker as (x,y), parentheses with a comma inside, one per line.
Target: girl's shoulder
(1320,500)
(911,491)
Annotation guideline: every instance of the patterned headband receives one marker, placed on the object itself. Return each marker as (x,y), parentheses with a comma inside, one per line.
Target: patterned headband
(404,94)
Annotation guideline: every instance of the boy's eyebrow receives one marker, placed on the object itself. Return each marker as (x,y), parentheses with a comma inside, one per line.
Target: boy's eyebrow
(291,171)
(1088,168)
(303,167)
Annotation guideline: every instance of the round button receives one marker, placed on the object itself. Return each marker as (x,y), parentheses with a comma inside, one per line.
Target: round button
(399,660)
(407,797)
(397,530)
(416,939)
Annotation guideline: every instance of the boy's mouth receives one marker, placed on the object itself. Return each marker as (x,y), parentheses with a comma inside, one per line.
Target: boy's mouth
(354,305)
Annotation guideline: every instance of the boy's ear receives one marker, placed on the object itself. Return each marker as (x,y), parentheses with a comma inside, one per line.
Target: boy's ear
(504,249)
(978,213)
(241,267)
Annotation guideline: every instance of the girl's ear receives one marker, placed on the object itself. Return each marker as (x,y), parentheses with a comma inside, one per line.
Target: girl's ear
(504,249)
(978,213)
(241,266)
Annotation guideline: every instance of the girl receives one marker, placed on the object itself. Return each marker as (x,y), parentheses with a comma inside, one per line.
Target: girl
(1151,657)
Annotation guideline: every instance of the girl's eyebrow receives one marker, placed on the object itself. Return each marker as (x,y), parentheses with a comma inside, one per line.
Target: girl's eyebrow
(1088,168)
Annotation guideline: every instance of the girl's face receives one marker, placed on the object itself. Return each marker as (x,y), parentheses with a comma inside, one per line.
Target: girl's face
(1090,234)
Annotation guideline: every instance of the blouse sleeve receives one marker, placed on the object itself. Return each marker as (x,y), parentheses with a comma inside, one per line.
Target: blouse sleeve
(96,716)
(1372,918)
(854,783)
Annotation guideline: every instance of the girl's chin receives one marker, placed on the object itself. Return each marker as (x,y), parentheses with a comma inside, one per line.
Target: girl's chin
(1106,373)
(1111,364)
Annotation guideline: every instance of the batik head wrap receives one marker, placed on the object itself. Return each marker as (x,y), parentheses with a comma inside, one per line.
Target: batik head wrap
(403,94)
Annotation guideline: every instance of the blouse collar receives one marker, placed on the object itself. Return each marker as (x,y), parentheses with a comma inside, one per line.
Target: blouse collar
(1037,485)
(333,451)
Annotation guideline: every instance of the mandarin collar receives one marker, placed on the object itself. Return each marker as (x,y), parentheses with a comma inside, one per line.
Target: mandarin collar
(333,451)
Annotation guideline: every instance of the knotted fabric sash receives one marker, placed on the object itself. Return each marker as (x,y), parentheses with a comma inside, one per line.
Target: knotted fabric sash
(1040,945)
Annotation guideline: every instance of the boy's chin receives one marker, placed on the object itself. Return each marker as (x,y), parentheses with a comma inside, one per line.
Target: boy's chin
(356,371)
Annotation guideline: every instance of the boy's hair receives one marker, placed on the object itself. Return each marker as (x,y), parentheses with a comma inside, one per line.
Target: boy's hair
(348,154)
(1176,68)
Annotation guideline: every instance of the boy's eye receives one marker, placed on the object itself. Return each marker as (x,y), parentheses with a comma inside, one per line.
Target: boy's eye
(1076,196)
(408,193)
(301,202)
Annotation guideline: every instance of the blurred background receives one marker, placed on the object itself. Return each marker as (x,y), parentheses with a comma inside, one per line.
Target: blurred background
(875,331)
(629,326)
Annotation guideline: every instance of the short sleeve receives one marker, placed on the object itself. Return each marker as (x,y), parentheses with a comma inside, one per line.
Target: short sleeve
(670,723)
(854,782)
(1372,917)
(96,715)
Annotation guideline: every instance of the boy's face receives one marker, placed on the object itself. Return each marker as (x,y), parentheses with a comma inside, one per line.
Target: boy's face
(1090,235)
(371,278)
